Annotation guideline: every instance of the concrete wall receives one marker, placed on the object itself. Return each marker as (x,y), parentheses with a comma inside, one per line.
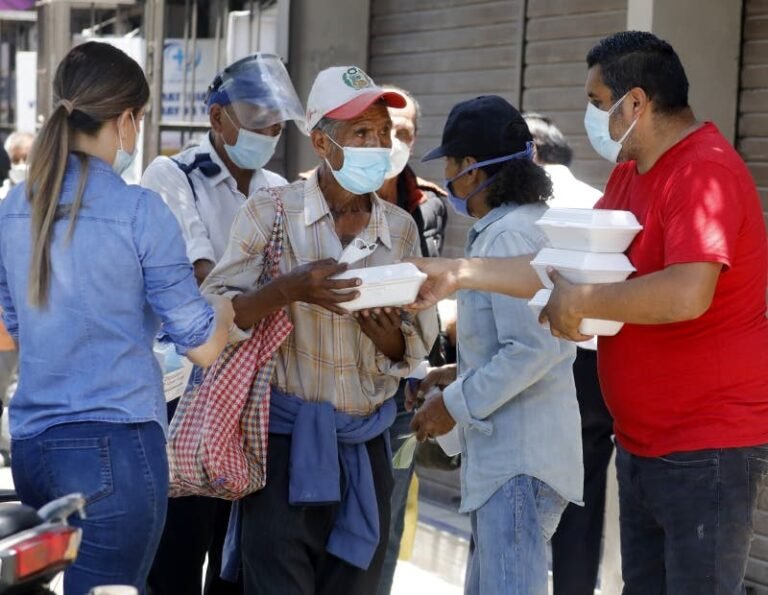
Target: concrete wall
(323,33)
(707,36)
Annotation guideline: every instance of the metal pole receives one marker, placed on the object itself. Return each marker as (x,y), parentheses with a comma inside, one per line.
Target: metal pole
(250,26)
(258,31)
(217,43)
(185,65)
(193,107)
(154,32)
(54,23)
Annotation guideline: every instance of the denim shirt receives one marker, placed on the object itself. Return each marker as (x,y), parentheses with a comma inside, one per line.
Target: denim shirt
(515,398)
(87,355)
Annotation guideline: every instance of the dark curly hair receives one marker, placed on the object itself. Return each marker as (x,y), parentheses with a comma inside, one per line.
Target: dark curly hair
(519,181)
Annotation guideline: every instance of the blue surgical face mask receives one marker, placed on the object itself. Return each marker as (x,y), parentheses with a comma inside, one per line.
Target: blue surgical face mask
(251,150)
(364,168)
(124,159)
(460,204)
(597,124)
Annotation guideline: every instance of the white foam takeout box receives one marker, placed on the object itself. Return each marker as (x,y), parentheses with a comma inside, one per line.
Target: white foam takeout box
(589,230)
(390,285)
(582,267)
(588,326)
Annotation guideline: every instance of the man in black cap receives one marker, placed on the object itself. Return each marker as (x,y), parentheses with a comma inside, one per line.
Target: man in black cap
(512,397)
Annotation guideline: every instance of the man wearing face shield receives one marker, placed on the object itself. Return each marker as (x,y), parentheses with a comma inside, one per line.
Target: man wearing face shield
(249,104)
(320,524)
(685,379)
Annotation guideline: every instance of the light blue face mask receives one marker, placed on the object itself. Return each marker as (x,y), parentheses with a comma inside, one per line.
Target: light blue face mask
(124,159)
(364,168)
(597,123)
(251,150)
(460,204)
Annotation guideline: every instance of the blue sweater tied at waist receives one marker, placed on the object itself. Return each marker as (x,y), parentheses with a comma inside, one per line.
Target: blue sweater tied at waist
(328,452)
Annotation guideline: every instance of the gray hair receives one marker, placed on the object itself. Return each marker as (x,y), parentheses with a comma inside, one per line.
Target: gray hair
(329,126)
(15,139)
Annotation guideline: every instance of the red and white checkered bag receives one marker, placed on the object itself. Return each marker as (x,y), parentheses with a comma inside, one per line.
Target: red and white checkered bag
(217,443)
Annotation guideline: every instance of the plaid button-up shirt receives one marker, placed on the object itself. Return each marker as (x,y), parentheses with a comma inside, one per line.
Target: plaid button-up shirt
(327,357)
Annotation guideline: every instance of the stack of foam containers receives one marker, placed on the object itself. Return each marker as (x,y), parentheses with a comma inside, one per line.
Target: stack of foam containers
(587,246)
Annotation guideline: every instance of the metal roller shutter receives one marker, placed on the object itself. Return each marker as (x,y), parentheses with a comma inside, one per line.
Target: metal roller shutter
(445,51)
(752,128)
(558,35)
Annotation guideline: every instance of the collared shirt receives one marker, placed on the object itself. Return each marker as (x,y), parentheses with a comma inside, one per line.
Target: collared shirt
(205,221)
(568,191)
(327,357)
(515,399)
(87,356)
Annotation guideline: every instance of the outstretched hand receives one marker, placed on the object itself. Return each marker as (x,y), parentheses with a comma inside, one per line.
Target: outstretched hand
(442,280)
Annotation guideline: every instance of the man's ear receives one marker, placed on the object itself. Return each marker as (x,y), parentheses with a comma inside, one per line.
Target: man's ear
(215,117)
(320,143)
(639,100)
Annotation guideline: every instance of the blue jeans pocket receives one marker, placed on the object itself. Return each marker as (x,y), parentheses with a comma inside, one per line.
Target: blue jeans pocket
(757,463)
(549,507)
(693,459)
(79,465)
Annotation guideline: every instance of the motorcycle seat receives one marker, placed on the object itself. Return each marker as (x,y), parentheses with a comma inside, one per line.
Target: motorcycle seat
(15,518)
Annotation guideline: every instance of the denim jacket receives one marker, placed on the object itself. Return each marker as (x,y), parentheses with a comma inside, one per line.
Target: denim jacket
(515,398)
(87,355)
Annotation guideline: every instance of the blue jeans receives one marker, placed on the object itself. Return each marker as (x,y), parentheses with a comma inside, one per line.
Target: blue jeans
(510,534)
(122,470)
(686,519)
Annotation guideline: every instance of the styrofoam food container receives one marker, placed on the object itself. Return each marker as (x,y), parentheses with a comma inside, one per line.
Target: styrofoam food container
(384,286)
(590,230)
(588,326)
(582,267)
(450,442)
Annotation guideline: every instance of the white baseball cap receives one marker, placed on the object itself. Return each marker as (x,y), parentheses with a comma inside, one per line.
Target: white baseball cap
(345,92)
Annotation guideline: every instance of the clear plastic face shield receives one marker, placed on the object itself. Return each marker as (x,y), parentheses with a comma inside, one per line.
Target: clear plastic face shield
(258,92)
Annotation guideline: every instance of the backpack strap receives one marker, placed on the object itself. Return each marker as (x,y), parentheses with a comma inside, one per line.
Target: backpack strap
(204,163)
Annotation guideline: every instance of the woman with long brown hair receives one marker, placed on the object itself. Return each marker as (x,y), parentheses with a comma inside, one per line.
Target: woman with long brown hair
(89,267)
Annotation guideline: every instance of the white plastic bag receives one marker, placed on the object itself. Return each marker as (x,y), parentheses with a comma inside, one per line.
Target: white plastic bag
(176,370)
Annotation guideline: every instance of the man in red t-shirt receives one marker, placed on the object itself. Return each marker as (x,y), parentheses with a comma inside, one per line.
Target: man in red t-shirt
(686,378)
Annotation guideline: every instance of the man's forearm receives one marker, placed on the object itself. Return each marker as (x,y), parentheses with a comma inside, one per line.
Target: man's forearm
(511,276)
(678,293)
(251,306)
(393,347)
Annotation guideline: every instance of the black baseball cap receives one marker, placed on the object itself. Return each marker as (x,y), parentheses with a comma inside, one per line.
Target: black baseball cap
(483,127)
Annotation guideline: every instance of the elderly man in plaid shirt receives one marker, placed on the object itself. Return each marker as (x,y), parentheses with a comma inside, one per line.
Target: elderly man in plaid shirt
(320,525)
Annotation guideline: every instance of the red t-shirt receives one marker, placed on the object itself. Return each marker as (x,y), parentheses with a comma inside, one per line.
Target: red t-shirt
(703,383)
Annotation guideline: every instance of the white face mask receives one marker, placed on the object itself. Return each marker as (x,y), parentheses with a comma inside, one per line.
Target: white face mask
(398,158)
(597,125)
(17,173)
(124,159)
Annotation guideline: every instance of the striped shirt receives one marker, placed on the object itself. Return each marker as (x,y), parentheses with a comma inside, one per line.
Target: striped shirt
(327,357)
